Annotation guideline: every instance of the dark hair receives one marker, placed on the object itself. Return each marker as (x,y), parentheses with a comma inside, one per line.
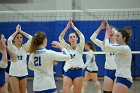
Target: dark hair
(15,37)
(128,29)
(0,35)
(126,33)
(91,45)
(37,40)
(68,42)
(73,33)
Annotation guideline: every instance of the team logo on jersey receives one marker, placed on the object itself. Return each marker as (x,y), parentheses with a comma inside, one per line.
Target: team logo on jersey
(72,55)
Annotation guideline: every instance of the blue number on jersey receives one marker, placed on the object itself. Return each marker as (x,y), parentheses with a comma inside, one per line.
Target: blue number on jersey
(19,57)
(72,55)
(111,54)
(37,61)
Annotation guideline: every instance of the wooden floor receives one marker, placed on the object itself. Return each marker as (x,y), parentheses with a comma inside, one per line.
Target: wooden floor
(134,89)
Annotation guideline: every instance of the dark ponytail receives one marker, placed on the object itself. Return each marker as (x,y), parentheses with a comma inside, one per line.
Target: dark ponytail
(126,33)
(0,35)
(91,45)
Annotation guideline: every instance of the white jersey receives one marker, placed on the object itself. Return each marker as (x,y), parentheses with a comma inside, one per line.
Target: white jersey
(123,59)
(90,62)
(41,63)
(76,55)
(110,57)
(19,68)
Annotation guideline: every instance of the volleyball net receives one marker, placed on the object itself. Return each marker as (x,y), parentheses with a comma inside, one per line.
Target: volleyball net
(52,15)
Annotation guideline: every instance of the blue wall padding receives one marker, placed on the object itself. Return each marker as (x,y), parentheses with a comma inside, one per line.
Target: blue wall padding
(54,28)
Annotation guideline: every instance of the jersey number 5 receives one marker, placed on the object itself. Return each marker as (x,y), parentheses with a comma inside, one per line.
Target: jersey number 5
(37,61)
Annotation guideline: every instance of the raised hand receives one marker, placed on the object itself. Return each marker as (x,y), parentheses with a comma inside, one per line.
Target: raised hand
(69,24)
(18,28)
(108,28)
(2,45)
(108,32)
(103,24)
(72,25)
(56,44)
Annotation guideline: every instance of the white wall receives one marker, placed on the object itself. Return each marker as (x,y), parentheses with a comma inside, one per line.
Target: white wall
(39,5)
(66,5)
(107,4)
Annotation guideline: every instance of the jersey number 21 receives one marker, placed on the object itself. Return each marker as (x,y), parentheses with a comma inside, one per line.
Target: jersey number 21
(37,61)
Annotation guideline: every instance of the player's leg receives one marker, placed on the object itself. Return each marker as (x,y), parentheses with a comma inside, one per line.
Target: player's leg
(85,82)
(23,84)
(14,82)
(67,83)
(94,77)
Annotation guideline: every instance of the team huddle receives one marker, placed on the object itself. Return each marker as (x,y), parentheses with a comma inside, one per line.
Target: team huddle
(117,76)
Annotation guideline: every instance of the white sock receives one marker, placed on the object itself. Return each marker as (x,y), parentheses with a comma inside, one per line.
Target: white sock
(99,91)
(97,84)
(83,90)
(84,85)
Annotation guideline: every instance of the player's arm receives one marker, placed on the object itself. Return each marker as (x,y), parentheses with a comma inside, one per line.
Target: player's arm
(13,57)
(30,63)
(59,56)
(89,58)
(3,62)
(94,35)
(56,44)
(10,39)
(61,36)
(82,38)
(27,36)
(18,28)
(114,48)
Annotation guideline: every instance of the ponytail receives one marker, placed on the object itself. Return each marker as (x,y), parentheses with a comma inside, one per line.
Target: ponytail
(37,40)
(126,33)
(91,45)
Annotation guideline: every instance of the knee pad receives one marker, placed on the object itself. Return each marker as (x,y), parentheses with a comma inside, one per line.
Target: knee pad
(107,92)
(84,84)
(72,87)
(97,84)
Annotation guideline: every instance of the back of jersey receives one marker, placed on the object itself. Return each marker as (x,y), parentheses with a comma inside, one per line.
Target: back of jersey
(42,63)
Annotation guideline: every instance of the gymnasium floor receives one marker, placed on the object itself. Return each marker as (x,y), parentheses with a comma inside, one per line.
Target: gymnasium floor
(134,89)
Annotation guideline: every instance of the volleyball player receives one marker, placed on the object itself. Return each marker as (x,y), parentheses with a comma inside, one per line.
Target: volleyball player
(123,59)
(110,64)
(18,70)
(41,62)
(73,74)
(3,62)
(91,68)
